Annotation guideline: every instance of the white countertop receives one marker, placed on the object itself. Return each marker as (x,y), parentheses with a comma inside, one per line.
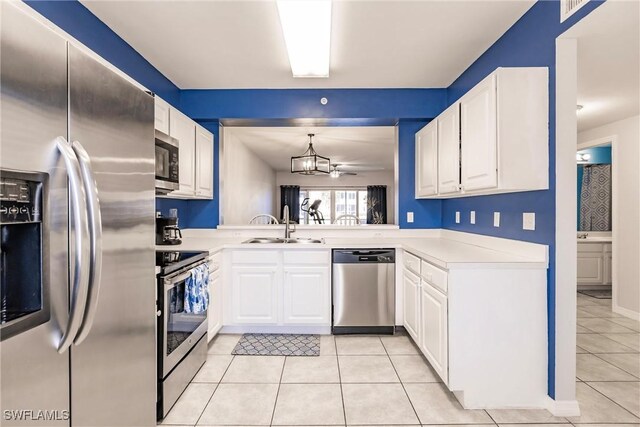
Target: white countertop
(596,239)
(442,252)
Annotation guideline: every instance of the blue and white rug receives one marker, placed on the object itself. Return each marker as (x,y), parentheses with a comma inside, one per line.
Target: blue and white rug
(278,345)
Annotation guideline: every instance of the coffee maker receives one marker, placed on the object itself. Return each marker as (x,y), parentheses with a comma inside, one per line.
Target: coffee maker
(167,230)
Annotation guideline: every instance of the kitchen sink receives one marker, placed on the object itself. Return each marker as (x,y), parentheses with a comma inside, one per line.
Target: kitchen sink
(264,240)
(300,240)
(304,240)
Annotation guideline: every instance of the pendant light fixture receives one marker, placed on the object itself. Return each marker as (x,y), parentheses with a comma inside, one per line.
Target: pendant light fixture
(310,162)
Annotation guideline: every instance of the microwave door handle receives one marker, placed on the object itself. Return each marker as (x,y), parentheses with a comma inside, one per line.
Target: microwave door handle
(95,242)
(80,266)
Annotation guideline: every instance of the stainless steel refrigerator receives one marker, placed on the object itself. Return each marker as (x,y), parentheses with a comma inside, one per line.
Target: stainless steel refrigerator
(77,206)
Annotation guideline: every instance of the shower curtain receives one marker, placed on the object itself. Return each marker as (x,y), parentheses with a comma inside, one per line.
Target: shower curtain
(595,198)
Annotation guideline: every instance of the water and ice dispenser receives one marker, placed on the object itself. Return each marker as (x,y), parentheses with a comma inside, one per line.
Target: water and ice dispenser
(23,279)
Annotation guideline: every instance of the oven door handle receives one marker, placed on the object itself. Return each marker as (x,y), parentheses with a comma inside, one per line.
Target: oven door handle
(95,241)
(171,281)
(80,266)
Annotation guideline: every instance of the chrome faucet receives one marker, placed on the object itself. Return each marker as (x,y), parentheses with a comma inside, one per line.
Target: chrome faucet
(287,225)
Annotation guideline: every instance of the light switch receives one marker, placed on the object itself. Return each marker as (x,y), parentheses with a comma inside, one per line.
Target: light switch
(472,217)
(528,221)
(409,216)
(457,217)
(496,219)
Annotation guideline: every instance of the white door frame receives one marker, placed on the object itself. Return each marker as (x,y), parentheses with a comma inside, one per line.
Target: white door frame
(565,403)
(615,202)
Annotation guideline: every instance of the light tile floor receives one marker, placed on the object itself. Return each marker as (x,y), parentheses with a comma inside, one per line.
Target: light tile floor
(365,380)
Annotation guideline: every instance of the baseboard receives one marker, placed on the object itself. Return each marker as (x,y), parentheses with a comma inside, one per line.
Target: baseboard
(625,312)
(563,408)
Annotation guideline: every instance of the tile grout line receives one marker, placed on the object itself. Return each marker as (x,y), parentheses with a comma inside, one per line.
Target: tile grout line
(400,379)
(275,403)
(610,399)
(622,369)
(215,389)
(344,408)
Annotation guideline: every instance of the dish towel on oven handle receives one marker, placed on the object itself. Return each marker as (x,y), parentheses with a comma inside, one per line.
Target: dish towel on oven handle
(196,290)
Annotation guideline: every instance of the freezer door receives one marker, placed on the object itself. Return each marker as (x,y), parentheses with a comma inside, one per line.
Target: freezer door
(33,80)
(113,370)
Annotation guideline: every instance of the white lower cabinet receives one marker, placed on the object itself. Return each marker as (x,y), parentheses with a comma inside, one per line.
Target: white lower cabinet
(482,328)
(214,311)
(433,328)
(411,291)
(279,288)
(255,294)
(306,295)
(594,264)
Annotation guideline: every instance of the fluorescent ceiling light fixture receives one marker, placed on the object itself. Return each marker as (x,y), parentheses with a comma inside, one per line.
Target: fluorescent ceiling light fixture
(306,25)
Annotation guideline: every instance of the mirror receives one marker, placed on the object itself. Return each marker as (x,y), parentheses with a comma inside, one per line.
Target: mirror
(257,179)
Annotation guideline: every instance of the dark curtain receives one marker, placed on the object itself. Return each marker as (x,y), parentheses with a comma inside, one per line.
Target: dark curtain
(376,204)
(290,196)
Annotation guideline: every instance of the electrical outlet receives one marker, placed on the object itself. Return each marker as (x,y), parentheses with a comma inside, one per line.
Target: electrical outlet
(472,217)
(496,219)
(528,221)
(457,217)
(409,216)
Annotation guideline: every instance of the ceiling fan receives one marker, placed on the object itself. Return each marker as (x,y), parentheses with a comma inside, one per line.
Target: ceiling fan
(335,173)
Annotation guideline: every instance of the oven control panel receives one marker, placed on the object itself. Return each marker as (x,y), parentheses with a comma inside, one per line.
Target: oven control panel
(20,200)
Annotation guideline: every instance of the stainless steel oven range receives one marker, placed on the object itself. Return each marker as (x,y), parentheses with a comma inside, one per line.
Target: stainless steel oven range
(182,343)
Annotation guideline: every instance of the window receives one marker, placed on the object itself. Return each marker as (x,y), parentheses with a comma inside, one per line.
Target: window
(335,202)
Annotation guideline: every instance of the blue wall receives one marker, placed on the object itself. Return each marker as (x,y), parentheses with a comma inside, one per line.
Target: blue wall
(529,42)
(83,25)
(410,108)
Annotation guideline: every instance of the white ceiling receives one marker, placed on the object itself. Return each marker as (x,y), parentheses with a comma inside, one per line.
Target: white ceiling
(354,148)
(608,63)
(239,44)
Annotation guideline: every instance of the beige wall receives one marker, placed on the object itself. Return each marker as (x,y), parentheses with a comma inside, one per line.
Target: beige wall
(626,163)
(362,179)
(248,183)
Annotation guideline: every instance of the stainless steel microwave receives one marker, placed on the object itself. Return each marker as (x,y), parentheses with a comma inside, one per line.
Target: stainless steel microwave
(167,164)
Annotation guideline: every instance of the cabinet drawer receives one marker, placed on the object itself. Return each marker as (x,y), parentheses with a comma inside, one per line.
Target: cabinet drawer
(255,257)
(412,262)
(306,257)
(434,275)
(590,247)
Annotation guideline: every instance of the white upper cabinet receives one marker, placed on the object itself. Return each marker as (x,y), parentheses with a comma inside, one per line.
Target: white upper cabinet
(427,157)
(183,129)
(449,150)
(495,138)
(478,136)
(162,115)
(204,163)
(195,152)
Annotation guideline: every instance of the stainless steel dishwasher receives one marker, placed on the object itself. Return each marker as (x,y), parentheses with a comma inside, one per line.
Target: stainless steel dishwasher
(363,291)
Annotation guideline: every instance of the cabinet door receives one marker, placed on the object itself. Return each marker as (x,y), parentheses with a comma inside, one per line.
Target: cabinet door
(433,326)
(306,295)
(411,289)
(255,294)
(184,130)
(608,261)
(204,163)
(478,136)
(215,304)
(590,268)
(449,150)
(162,115)
(427,161)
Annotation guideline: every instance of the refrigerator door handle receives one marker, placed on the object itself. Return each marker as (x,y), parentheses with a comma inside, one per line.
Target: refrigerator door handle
(81,232)
(95,241)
